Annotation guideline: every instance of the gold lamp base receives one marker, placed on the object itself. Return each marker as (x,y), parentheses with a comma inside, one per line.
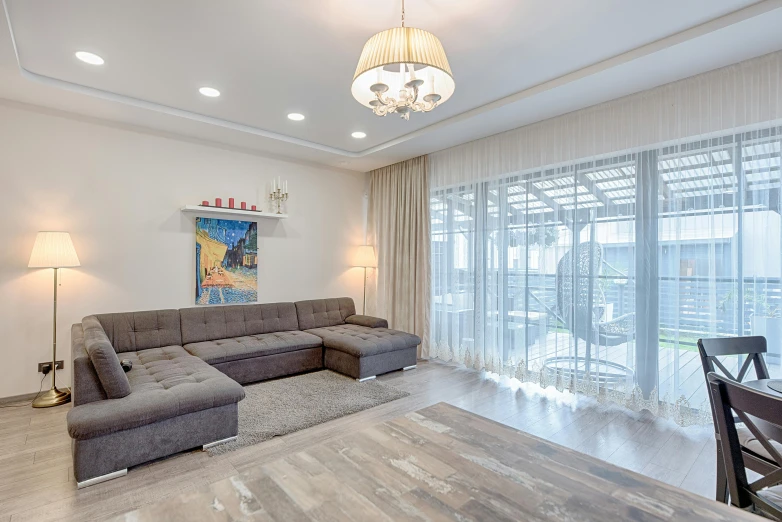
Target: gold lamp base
(53,397)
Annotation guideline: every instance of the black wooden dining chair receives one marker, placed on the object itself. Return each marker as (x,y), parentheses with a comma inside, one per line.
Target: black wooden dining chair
(756,457)
(758,411)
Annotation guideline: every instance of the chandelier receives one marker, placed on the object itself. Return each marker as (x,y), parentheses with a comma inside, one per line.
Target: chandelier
(406,60)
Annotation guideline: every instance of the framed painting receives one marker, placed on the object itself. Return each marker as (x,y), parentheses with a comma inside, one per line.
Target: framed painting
(226,261)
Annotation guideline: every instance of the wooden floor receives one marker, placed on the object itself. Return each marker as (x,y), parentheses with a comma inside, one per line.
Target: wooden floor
(440,463)
(36,481)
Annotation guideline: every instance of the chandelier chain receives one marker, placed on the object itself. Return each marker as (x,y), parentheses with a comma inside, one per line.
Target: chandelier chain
(403,13)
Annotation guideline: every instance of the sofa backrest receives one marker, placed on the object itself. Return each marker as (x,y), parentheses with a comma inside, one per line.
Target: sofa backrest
(221,322)
(319,313)
(133,331)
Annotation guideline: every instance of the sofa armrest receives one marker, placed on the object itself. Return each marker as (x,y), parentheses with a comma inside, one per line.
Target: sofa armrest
(367,320)
(86,385)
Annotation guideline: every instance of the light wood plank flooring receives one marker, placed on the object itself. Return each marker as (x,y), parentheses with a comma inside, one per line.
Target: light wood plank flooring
(438,463)
(36,482)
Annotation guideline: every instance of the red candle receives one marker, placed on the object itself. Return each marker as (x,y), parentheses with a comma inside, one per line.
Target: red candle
(230,202)
(204,203)
(218,202)
(244,205)
(254,208)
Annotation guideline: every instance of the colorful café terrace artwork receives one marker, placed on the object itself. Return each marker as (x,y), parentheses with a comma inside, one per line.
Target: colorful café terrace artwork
(226,261)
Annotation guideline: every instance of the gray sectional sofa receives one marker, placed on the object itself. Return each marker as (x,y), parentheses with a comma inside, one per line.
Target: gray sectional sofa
(188,366)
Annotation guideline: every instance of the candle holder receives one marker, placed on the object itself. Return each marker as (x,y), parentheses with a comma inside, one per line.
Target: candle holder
(278,196)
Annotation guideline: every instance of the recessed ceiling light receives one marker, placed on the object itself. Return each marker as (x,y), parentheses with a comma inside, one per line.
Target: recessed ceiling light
(92,59)
(359,135)
(209,91)
(295,116)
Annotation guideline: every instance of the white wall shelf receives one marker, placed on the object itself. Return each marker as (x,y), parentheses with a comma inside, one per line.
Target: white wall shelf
(228,213)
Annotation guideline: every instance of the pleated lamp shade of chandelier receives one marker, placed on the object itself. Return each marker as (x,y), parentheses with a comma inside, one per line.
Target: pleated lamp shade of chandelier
(396,56)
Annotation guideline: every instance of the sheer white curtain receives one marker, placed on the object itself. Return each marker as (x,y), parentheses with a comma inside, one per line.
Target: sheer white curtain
(591,251)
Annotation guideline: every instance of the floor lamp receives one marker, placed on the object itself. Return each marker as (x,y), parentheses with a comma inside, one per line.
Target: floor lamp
(53,250)
(365,258)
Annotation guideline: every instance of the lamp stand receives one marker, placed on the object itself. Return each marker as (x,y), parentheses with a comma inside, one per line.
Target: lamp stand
(53,397)
(364,308)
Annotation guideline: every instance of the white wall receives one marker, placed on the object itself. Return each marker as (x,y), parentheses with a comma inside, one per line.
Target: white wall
(118,192)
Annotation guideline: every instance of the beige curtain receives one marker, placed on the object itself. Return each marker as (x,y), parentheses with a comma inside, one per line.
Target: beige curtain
(399,229)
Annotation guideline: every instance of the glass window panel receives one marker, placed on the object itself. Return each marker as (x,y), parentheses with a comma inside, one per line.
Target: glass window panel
(508,289)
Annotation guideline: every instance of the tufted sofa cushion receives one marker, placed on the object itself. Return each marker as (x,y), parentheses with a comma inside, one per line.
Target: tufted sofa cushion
(223,322)
(225,350)
(361,341)
(319,313)
(133,331)
(165,382)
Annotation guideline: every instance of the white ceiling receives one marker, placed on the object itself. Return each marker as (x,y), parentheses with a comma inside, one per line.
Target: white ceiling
(514,61)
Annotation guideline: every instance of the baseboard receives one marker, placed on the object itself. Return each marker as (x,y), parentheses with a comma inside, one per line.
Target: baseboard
(27,397)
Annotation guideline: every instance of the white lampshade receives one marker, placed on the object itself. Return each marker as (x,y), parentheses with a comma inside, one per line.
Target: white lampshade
(365,256)
(412,48)
(53,250)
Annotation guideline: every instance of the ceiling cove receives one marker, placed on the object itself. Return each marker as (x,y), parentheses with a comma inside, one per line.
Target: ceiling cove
(740,15)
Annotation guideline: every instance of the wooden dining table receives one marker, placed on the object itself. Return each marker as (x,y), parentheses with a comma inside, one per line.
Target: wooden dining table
(770,386)
(439,463)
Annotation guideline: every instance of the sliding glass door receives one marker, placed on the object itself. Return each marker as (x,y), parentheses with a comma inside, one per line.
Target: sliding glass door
(719,251)
(600,276)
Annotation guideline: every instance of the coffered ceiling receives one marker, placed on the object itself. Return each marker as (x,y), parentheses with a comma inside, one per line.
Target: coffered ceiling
(515,62)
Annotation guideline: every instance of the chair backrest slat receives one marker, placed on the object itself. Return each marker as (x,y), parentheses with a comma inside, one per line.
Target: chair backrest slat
(762,439)
(751,401)
(719,346)
(716,362)
(744,368)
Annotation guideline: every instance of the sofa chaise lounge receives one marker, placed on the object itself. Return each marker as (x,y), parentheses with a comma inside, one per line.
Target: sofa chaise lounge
(188,365)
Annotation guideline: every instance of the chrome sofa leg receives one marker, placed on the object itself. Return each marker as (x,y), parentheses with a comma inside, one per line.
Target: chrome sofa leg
(367,378)
(413,367)
(102,478)
(218,442)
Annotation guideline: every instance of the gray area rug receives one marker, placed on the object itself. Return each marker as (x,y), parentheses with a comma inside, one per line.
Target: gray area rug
(282,406)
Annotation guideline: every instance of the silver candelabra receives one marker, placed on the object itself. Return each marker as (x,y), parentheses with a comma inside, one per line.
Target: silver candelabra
(278,196)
